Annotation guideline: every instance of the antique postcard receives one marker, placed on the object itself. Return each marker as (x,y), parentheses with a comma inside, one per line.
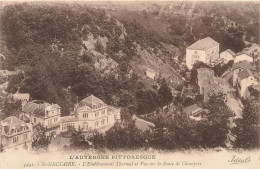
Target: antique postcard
(129,84)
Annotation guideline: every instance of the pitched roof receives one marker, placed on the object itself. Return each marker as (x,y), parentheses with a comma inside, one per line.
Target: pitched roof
(188,110)
(244,74)
(230,51)
(38,107)
(12,120)
(13,123)
(24,118)
(91,101)
(242,53)
(243,64)
(203,44)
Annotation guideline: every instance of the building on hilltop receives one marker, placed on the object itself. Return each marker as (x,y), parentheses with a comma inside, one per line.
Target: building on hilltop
(41,112)
(89,114)
(15,132)
(205,50)
(227,55)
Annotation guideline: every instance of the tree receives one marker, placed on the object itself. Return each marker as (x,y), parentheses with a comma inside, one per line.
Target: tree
(124,135)
(247,128)
(40,139)
(99,46)
(164,94)
(14,83)
(98,140)
(10,107)
(78,140)
(146,101)
(214,130)
(174,133)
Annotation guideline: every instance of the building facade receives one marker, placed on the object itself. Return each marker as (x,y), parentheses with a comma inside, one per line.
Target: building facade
(227,55)
(245,80)
(89,114)
(243,57)
(205,50)
(15,132)
(241,66)
(41,112)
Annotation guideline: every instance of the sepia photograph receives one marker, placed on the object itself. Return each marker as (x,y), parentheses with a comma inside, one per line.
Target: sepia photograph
(130,84)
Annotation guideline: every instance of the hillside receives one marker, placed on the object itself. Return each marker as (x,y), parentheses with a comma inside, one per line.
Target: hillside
(67,52)
(182,23)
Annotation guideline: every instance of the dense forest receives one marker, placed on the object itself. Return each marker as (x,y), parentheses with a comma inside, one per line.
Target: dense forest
(47,43)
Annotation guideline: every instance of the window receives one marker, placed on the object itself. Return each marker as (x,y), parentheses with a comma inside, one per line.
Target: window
(103,121)
(85,115)
(34,120)
(96,124)
(15,139)
(115,117)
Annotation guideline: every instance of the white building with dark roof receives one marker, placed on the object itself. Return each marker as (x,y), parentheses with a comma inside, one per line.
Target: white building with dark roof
(14,132)
(205,50)
(91,113)
(41,112)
